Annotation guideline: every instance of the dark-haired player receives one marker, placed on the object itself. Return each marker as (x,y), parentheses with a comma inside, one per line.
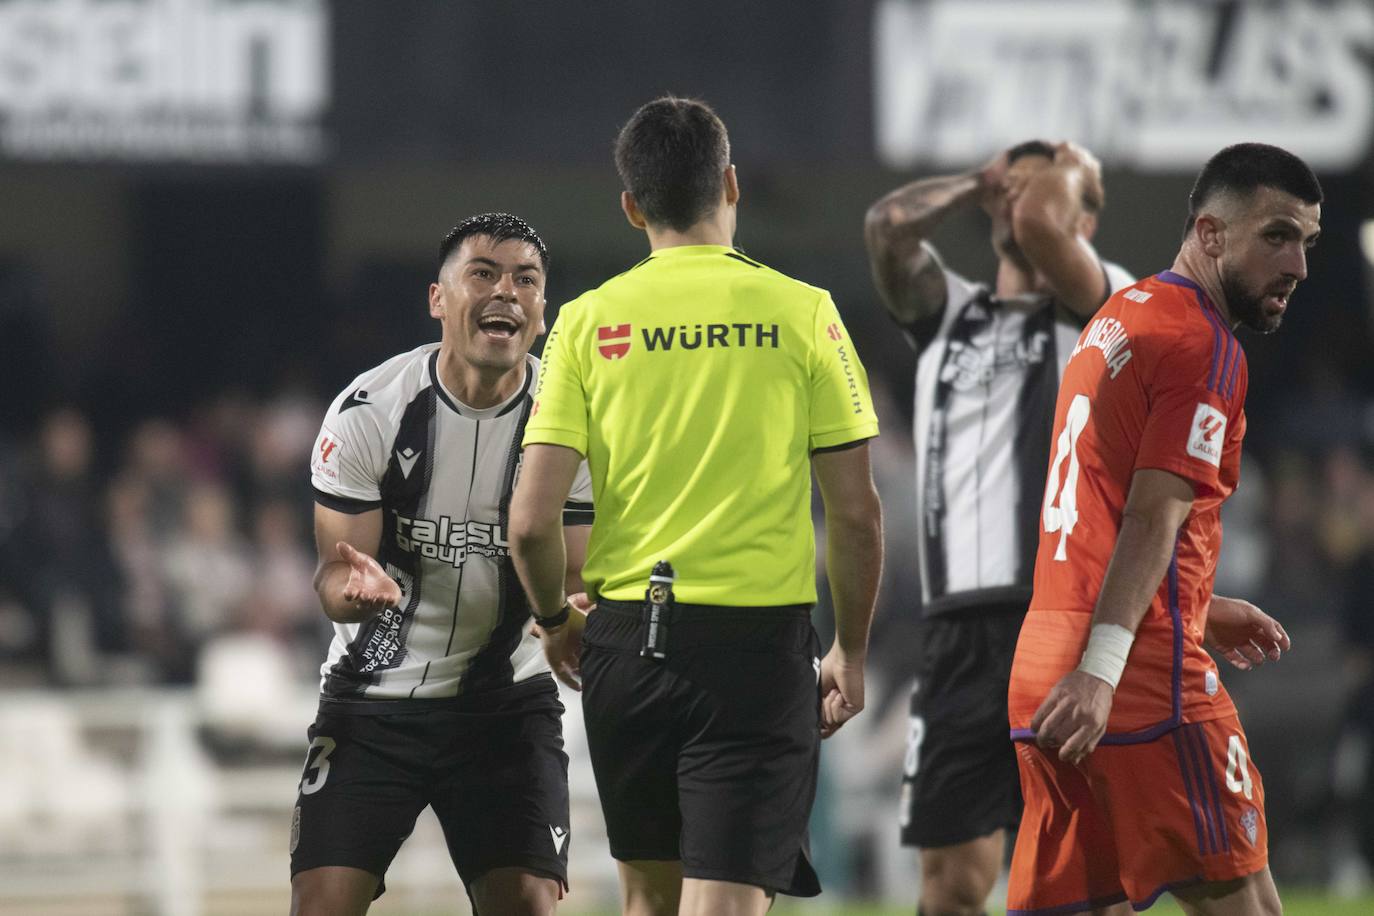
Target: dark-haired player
(1136,771)
(435,692)
(989,362)
(703,388)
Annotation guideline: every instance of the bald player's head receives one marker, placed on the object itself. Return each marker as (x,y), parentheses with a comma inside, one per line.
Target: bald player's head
(1229,180)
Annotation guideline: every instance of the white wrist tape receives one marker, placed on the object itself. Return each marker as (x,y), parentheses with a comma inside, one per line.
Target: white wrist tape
(1105,657)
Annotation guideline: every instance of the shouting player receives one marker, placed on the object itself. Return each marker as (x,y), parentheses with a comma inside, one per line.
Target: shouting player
(1136,773)
(434,692)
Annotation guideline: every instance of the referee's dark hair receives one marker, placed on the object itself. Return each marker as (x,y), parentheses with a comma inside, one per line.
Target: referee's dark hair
(499,227)
(1246,167)
(672,156)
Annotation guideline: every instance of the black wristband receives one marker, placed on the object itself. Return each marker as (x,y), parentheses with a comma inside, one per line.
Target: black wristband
(555,621)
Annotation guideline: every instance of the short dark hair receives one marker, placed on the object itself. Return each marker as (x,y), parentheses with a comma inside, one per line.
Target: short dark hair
(1092,199)
(1245,168)
(499,227)
(1030,148)
(672,156)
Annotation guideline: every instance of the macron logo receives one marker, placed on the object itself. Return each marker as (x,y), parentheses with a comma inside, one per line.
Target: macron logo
(559,836)
(1208,434)
(406,459)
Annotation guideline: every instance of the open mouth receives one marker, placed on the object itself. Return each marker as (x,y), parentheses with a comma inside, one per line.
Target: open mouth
(501,327)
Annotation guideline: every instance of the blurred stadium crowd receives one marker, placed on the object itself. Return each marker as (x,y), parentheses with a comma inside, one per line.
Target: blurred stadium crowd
(128,559)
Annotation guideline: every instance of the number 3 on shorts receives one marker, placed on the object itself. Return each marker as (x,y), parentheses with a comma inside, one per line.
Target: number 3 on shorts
(1238,768)
(1061,501)
(316,765)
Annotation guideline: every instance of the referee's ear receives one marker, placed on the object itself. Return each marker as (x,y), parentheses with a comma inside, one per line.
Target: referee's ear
(731,183)
(627,203)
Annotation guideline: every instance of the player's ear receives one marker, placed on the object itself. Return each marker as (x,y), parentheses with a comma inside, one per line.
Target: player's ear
(627,204)
(436,301)
(1087,225)
(1211,234)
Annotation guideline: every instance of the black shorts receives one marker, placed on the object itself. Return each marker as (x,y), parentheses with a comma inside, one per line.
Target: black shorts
(959,778)
(491,765)
(709,756)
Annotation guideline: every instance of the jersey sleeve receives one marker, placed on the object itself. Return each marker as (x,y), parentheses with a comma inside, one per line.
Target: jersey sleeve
(349,459)
(841,406)
(1195,409)
(923,331)
(578,508)
(559,415)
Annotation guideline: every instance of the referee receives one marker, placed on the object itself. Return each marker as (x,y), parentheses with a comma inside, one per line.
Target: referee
(702,387)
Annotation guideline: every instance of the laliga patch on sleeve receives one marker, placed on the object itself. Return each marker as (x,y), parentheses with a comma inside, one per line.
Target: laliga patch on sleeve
(1208,434)
(325,462)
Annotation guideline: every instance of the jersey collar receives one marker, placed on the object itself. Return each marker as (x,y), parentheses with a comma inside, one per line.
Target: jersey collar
(1203,299)
(688,251)
(1169,276)
(486,413)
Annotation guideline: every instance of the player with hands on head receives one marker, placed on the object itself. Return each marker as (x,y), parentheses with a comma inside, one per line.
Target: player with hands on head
(1135,769)
(989,360)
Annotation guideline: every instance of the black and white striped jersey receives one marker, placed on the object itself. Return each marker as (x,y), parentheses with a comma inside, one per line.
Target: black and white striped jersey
(986,384)
(442,474)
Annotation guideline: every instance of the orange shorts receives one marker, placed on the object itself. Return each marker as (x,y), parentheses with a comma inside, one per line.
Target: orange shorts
(1135,820)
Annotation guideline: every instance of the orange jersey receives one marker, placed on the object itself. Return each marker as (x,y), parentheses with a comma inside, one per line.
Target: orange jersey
(1157,380)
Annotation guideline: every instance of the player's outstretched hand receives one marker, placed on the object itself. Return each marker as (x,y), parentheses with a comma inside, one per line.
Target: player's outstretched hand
(1243,634)
(563,646)
(368,585)
(1073,717)
(842,689)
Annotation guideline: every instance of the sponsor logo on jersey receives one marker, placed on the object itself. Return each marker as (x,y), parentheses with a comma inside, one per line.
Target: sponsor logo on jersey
(1249,822)
(613,341)
(834,330)
(969,365)
(710,336)
(856,401)
(384,644)
(1109,336)
(325,461)
(295,828)
(1137,295)
(1210,684)
(559,836)
(1208,434)
(449,540)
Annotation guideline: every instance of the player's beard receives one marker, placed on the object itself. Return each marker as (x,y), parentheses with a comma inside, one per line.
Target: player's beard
(1247,307)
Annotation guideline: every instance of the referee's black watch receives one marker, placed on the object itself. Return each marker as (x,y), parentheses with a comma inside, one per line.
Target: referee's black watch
(555,621)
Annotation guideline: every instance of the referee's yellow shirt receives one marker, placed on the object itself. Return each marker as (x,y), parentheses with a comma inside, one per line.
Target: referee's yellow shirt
(697,385)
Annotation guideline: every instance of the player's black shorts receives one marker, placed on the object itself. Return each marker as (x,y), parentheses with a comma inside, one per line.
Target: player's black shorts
(959,779)
(709,756)
(491,765)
